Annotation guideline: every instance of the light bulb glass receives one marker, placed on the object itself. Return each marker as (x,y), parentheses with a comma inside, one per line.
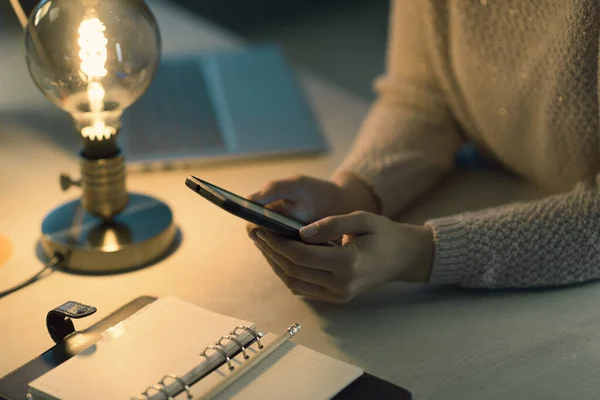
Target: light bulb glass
(93,58)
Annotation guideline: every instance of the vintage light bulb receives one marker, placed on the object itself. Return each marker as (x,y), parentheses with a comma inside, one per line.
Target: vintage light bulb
(93,59)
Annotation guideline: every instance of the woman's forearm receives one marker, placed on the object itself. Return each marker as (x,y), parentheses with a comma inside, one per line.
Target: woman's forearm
(548,242)
(400,154)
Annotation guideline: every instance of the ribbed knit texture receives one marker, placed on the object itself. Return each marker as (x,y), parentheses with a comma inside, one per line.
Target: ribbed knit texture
(520,79)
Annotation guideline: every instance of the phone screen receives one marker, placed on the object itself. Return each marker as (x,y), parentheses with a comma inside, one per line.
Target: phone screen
(257,208)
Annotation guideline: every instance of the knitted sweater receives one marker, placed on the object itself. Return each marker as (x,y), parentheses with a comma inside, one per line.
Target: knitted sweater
(520,79)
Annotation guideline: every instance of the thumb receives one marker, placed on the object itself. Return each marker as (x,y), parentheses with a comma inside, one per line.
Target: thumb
(332,228)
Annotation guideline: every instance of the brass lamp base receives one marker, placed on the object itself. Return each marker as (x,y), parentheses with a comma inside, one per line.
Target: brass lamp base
(140,234)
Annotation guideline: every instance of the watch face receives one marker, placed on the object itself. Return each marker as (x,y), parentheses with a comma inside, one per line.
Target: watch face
(5,249)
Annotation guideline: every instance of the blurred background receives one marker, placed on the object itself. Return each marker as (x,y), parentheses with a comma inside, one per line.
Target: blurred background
(340,40)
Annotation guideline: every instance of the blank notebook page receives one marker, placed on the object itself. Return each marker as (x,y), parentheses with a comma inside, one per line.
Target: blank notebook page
(293,372)
(164,337)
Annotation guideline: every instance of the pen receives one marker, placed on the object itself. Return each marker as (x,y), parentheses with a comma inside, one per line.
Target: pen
(247,366)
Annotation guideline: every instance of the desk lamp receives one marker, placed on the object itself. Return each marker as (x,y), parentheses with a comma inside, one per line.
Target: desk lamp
(93,59)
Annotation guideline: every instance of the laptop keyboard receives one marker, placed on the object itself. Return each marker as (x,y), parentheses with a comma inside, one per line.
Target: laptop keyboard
(174,119)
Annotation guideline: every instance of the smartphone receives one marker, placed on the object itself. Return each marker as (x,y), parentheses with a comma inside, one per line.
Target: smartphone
(246,209)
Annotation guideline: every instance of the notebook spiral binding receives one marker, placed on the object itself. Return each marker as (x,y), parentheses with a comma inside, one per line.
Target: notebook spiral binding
(218,346)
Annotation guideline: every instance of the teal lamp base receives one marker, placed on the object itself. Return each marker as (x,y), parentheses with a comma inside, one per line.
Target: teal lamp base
(143,232)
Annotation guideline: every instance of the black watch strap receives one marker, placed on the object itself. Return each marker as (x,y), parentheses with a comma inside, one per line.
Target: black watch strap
(59,323)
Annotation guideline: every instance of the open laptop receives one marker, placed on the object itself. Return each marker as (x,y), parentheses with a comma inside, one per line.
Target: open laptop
(241,103)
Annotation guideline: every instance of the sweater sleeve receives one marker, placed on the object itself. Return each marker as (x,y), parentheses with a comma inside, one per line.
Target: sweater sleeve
(549,242)
(409,138)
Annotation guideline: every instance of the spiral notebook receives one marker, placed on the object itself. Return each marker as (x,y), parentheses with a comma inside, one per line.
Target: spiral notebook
(157,353)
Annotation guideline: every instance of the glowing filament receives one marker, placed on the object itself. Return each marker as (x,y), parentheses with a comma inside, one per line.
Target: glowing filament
(93,47)
(93,56)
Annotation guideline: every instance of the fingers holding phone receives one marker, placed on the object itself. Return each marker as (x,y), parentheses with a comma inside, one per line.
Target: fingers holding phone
(309,199)
(282,207)
(303,198)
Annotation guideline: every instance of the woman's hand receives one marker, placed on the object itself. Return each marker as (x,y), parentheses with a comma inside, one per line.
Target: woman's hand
(374,250)
(309,199)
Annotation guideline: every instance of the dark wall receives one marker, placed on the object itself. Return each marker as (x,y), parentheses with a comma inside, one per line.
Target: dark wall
(241,15)
(244,15)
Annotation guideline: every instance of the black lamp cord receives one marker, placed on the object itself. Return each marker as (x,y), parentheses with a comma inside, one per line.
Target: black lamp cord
(50,265)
